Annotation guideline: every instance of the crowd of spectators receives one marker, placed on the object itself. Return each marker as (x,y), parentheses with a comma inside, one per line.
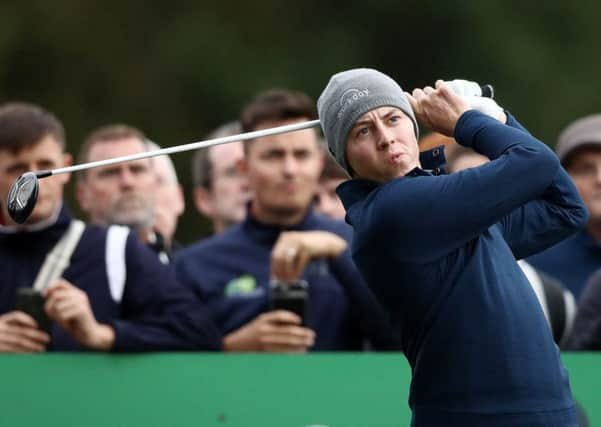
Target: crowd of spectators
(276,218)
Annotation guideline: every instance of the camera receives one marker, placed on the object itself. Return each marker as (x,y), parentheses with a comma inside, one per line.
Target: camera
(31,301)
(291,296)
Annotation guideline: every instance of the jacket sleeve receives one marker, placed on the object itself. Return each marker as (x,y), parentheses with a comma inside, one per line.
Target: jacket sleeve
(436,215)
(371,319)
(157,313)
(586,332)
(541,223)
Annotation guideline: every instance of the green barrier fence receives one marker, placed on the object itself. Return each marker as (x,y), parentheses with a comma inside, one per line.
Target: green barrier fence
(333,390)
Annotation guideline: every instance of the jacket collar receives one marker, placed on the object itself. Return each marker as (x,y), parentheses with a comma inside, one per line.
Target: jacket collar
(433,160)
(40,234)
(269,233)
(357,189)
(61,216)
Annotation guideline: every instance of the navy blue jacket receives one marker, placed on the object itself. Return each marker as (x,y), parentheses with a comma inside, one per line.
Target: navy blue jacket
(230,273)
(151,311)
(572,261)
(439,252)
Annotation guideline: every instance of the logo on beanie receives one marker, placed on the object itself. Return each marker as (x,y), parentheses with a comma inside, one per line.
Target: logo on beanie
(349,97)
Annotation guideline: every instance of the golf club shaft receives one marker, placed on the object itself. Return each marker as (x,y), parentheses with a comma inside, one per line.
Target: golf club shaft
(179,148)
(487,91)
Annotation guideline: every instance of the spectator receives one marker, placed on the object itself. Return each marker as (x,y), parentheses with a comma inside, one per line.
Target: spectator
(440,251)
(461,158)
(575,259)
(124,193)
(434,140)
(231,272)
(327,202)
(114,295)
(220,192)
(169,202)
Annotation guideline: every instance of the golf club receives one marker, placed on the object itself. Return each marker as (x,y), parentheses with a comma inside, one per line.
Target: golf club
(23,193)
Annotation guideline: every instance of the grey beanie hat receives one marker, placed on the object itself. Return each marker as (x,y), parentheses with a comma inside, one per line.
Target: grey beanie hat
(348,96)
(584,132)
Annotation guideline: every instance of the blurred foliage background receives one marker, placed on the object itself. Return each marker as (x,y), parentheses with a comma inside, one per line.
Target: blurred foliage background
(178,69)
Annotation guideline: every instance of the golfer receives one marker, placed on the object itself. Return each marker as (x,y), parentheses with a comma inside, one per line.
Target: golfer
(440,251)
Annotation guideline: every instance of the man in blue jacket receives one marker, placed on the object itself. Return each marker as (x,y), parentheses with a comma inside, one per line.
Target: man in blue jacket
(282,238)
(124,193)
(115,295)
(440,251)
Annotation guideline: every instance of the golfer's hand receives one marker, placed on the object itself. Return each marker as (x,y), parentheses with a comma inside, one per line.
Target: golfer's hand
(69,306)
(294,249)
(437,108)
(19,334)
(274,331)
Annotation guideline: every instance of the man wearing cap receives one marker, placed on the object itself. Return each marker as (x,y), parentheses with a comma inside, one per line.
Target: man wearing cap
(440,251)
(574,260)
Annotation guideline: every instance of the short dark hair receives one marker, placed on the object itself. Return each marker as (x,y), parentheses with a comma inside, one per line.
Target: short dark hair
(107,133)
(202,168)
(276,105)
(24,125)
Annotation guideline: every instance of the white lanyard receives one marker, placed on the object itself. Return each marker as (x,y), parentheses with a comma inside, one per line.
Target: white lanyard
(57,260)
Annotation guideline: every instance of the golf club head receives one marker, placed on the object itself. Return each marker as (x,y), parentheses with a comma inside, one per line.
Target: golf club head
(488,91)
(22,197)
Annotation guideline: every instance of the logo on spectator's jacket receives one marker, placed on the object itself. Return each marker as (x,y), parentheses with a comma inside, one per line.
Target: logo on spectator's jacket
(243,285)
(349,97)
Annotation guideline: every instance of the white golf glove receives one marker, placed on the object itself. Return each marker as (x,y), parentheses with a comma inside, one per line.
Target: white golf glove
(472,95)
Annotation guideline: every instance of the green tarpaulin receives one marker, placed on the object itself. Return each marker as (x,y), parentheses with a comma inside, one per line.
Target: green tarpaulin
(334,390)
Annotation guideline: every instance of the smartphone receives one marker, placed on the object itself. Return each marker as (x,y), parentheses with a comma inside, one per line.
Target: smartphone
(32,302)
(291,296)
